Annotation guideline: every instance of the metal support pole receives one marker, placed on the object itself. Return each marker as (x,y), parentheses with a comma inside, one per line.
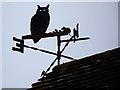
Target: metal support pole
(58,52)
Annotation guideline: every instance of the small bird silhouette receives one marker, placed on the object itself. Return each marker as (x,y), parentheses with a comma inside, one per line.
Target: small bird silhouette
(39,23)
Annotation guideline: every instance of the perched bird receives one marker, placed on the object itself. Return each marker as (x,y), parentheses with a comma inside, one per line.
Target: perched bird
(39,22)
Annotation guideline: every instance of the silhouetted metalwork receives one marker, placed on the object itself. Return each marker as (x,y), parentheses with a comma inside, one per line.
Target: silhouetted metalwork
(57,33)
(39,22)
(34,48)
(20,45)
(61,32)
(38,26)
(75,32)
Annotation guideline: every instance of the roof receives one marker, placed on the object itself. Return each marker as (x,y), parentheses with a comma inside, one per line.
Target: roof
(100,71)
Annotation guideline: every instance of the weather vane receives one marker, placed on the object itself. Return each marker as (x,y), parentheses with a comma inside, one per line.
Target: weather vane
(38,26)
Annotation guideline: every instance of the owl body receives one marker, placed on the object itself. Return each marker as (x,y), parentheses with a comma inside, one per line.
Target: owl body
(40,22)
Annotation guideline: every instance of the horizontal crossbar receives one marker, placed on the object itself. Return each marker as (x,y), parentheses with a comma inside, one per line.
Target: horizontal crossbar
(46,35)
(86,38)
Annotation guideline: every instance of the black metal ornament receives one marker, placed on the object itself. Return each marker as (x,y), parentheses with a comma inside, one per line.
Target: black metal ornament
(57,33)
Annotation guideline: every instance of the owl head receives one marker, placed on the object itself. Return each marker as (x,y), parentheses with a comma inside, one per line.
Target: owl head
(42,9)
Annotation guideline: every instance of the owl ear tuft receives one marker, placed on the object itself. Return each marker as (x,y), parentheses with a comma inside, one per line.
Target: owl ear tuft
(38,6)
(48,6)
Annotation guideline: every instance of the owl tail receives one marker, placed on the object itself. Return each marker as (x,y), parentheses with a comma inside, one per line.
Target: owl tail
(36,40)
(37,37)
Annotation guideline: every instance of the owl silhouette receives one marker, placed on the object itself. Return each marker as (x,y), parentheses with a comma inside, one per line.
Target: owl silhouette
(39,22)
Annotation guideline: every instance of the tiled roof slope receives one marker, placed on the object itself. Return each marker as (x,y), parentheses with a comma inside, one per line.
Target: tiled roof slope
(100,71)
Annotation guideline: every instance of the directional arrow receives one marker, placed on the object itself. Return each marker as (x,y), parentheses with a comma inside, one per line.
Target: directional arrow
(21,46)
(49,52)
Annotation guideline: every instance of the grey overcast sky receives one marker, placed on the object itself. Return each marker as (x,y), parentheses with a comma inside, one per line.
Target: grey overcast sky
(99,20)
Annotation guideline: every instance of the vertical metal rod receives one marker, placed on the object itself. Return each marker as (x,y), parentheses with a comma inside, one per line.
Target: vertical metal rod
(58,52)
